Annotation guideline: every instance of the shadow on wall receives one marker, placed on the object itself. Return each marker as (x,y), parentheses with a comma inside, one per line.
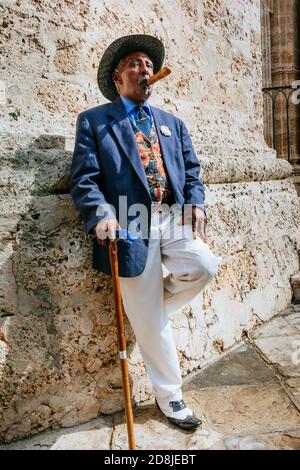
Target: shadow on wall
(58,349)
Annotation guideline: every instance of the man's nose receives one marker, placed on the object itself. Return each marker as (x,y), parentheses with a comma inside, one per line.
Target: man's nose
(145,69)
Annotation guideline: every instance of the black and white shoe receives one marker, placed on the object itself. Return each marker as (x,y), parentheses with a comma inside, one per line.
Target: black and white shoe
(189,423)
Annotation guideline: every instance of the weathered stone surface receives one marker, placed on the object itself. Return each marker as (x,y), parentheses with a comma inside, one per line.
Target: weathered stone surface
(236,168)
(241,366)
(294,320)
(245,409)
(294,388)
(43,166)
(246,443)
(94,435)
(84,440)
(278,326)
(153,431)
(284,352)
(275,441)
(50,75)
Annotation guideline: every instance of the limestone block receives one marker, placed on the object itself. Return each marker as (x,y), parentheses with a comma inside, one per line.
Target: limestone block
(284,352)
(93,435)
(84,440)
(156,433)
(241,366)
(8,287)
(276,327)
(50,74)
(236,168)
(245,410)
(273,441)
(40,169)
(48,96)
(293,319)
(68,55)
(294,387)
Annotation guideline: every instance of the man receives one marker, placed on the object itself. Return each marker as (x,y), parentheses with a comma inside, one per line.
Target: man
(134,159)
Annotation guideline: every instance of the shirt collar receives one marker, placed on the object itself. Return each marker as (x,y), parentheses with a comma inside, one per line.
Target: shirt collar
(130,105)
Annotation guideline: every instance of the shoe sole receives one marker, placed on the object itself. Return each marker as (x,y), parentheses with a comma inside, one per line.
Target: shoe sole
(181,424)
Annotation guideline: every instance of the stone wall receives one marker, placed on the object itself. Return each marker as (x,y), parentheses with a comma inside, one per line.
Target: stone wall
(58,350)
(51,52)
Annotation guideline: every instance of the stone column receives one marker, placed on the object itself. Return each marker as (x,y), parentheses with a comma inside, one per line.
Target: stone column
(280,44)
(266,12)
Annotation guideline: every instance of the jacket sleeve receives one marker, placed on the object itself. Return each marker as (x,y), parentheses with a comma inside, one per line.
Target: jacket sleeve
(84,177)
(194,191)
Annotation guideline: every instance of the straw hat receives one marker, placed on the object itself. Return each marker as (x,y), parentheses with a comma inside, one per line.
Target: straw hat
(120,48)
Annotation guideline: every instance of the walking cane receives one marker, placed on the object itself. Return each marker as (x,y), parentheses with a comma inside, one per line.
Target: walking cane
(113,257)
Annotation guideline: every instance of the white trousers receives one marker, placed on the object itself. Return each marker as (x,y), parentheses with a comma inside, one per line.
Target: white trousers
(149,297)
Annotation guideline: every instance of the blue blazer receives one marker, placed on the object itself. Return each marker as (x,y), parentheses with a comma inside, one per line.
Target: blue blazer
(106,164)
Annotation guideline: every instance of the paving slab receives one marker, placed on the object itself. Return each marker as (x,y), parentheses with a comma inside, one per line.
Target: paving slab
(283,352)
(246,409)
(153,431)
(241,366)
(294,388)
(95,439)
(278,326)
(271,441)
(294,320)
(95,434)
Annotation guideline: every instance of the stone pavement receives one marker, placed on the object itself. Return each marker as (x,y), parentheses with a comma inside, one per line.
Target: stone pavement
(248,399)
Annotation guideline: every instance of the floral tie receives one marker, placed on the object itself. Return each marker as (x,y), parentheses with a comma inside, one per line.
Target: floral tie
(143,120)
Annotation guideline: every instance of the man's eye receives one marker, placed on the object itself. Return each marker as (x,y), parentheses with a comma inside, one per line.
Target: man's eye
(150,66)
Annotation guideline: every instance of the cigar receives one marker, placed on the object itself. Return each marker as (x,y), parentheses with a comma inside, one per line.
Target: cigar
(162,73)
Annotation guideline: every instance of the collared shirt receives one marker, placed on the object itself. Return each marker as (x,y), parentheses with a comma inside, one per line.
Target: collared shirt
(130,109)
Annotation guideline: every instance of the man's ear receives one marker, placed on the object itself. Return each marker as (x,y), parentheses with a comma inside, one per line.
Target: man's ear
(116,77)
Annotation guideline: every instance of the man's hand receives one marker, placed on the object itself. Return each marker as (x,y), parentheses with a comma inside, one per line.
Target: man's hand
(197,218)
(105,230)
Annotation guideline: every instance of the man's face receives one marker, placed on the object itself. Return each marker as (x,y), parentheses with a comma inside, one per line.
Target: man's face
(135,69)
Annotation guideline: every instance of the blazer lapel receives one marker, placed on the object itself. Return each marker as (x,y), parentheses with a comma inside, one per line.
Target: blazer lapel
(122,129)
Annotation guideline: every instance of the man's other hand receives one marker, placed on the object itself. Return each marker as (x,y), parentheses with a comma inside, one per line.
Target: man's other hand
(105,230)
(197,218)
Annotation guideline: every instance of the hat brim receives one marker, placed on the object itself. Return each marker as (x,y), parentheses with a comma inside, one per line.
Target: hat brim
(121,47)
